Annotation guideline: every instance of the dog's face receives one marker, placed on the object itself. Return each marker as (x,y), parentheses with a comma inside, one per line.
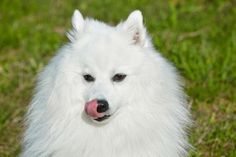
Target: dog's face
(108,61)
(107,71)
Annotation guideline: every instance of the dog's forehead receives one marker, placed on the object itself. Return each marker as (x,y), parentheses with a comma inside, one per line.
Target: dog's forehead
(106,52)
(106,59)
(106,48)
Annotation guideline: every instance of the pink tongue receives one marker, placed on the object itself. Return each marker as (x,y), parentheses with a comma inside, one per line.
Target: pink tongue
(91,109)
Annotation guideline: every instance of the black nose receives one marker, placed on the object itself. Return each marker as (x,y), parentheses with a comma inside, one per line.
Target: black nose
(103,106)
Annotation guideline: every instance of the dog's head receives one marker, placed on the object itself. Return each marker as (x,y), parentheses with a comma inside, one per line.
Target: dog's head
(107,62)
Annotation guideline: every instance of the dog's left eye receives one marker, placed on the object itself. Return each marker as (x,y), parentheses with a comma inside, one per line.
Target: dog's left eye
(118,77)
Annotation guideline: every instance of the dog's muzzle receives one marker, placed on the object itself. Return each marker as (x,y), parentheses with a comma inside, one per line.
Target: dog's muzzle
(97,109)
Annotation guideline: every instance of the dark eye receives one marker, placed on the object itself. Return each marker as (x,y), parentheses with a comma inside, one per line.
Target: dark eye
(88,78)
(118,77)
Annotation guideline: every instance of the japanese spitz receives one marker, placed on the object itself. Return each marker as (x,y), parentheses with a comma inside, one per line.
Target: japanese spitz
(107,93)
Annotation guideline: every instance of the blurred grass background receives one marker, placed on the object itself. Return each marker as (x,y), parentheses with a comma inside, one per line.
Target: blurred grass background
(199,36)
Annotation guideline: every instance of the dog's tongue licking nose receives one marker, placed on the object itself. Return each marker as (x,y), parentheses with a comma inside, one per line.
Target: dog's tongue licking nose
(91,109)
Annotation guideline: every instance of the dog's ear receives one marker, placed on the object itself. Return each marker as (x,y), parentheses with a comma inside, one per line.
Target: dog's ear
(77,21)
(77,25)
(135,27)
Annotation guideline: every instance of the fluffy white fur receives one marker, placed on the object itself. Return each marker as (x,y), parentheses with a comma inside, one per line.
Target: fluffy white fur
(149,113)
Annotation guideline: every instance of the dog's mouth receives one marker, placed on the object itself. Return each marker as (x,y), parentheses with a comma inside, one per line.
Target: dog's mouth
(100,119)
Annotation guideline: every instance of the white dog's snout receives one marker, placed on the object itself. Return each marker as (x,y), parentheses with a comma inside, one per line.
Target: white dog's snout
(96,96)
(98,92)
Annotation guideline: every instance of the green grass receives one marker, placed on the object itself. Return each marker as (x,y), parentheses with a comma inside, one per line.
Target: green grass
(198,36)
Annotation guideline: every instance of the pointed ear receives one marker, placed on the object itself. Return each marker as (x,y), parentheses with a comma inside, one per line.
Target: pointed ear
(77,25)
(134,26)
(77,21)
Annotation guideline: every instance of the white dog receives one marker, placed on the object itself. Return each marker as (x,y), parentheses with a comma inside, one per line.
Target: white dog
(108,93)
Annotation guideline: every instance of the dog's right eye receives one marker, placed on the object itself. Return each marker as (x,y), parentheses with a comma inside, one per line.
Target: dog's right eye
(88,78)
